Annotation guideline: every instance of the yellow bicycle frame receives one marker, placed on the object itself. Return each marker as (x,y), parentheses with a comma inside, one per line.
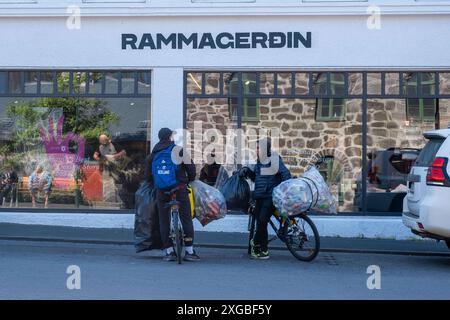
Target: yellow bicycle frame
(191,201)
(278,215)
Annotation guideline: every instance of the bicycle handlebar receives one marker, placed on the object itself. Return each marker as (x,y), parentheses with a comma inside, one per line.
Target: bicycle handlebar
(172,191)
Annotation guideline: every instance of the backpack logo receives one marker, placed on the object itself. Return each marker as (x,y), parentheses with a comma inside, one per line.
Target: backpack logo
(164,169)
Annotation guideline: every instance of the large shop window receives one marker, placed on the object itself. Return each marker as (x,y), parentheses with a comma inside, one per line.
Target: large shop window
(73,139)
(320,117)
(334,146)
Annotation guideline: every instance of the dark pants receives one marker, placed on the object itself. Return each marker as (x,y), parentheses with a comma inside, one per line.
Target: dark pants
(185,217)
(6,192)
(264,209)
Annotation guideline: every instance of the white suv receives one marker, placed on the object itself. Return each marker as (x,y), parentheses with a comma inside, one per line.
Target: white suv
(426,207)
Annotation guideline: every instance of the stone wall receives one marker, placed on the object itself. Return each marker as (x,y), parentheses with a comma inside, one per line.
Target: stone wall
(304,140)
(389,127)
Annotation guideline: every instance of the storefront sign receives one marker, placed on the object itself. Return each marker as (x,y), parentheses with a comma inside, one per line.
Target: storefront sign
(224,40)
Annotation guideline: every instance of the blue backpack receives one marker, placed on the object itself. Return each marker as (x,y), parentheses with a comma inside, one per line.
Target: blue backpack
(164,170)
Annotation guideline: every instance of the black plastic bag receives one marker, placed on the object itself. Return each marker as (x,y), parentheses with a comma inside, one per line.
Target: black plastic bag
(146,219)
(222,177)
(236,192)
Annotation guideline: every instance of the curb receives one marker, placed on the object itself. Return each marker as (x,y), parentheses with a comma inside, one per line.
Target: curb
(376,227)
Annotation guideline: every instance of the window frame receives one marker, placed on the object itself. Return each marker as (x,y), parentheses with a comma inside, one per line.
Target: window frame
(330,117)
(422,117)
(390,88)
(320,117)
(47,77)
(245,99)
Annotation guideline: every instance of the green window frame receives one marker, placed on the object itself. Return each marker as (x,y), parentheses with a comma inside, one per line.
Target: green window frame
(427,83)
(250,106)
(325,166)
(330,109)
(250,109)
(422,110)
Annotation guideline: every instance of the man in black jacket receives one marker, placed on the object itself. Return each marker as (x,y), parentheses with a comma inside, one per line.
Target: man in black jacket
(185,174)
(268,173)
(210,171)
(8,179)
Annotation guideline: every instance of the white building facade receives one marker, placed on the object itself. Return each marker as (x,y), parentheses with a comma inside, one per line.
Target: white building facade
(351,85)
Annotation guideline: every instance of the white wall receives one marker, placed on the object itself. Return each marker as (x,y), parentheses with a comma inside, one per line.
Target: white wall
(219,7)
(167,100)
(338,42)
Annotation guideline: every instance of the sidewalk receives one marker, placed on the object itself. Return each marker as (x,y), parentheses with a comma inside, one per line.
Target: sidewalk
(372,227)
(122,236)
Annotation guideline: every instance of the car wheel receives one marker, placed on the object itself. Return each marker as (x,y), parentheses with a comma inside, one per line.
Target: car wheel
(448,243)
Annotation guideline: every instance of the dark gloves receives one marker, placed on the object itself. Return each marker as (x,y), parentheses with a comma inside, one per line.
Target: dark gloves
(244,172)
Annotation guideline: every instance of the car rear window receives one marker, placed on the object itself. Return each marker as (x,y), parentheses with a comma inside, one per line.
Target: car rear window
(428,153)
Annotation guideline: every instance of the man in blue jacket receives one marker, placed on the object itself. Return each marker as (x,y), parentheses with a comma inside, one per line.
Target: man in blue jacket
(268,173)
(184,175)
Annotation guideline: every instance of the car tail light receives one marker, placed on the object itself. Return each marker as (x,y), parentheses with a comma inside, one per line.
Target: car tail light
(437,173)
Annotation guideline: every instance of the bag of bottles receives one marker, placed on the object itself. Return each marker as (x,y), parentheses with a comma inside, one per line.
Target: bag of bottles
(309,192)
(209,203)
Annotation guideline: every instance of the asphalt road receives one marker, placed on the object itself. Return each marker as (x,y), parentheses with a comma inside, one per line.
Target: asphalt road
(37,270)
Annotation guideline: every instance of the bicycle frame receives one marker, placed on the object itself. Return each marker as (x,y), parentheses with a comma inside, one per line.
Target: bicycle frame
(276,229)
(175,214)
(176,228)
(282,230)
(280,219)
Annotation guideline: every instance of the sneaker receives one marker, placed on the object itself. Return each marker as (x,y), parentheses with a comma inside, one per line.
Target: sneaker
(191,257)
(170,256)
(262,255)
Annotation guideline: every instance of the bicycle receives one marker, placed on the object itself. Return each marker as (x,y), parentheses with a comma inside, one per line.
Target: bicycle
(176,228)
(292,231)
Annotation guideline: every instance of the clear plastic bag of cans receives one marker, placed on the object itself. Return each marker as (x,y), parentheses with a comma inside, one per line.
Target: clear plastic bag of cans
(309,192)
(209,203)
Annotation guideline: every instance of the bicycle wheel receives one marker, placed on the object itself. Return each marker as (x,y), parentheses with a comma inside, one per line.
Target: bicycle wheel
(180,245)
(177,242)
(301,237)
(251,231)
(251,227)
